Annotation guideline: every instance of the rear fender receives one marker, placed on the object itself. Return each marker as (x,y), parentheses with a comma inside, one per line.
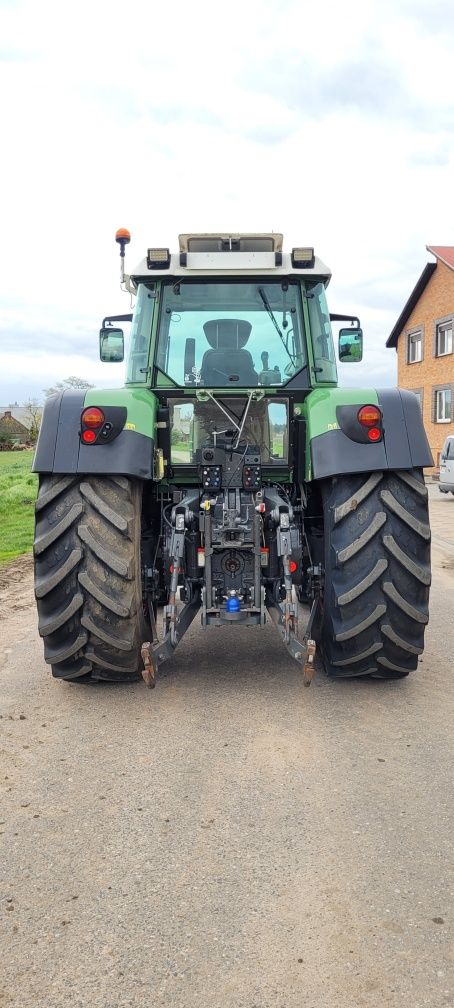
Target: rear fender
(129,452)
(330,416)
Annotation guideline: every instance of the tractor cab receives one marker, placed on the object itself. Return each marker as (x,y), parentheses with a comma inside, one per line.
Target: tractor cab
(230,314)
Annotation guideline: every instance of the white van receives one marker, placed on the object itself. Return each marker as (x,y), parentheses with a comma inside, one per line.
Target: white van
(447,466)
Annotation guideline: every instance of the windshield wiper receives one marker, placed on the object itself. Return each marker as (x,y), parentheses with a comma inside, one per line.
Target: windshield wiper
(271,313)
(272,316)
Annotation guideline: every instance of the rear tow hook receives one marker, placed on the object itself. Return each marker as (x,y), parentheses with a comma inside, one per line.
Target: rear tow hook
(148,671)
(309,664)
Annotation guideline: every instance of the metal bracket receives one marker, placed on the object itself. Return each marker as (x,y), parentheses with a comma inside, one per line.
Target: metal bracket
(301,651)
(162,650)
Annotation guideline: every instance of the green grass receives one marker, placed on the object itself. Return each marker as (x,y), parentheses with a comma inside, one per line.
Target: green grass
(18,487)
(278,445)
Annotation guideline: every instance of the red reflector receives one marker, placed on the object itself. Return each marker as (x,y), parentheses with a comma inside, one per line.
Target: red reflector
(88,436)
(292,566)
(92,416)
(374,434)
(369,416)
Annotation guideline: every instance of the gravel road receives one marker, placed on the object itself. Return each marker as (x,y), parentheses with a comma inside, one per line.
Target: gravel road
(230,839)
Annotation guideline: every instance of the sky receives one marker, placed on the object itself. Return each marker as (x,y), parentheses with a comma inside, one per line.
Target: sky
(333,123)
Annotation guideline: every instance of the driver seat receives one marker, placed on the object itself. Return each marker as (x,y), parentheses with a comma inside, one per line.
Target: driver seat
(227,362)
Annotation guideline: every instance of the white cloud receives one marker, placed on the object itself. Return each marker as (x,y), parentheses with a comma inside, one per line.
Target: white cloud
(332,124)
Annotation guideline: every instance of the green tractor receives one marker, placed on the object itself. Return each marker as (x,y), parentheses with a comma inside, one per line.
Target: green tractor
(231,477)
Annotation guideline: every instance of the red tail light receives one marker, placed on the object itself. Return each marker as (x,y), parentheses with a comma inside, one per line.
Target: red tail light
(92,416)
(374,434)
(88,436)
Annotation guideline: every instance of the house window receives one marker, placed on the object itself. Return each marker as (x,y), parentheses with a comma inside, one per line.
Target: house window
(443,405)
(443,342)
(414,348)
(418,393)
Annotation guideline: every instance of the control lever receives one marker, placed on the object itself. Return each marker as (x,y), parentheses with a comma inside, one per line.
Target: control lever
(268,376)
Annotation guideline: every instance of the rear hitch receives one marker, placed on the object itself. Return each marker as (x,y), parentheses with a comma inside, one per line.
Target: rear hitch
(286,616)
(302,651)
(176,621)
(155,653)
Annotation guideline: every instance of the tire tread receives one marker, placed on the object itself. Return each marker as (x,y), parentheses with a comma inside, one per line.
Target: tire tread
(377,573)
(88,577)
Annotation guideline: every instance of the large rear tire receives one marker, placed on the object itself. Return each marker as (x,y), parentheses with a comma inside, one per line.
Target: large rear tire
(377,573)
(88,583)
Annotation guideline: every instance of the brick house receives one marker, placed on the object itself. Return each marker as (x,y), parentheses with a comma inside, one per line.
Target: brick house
(423,338)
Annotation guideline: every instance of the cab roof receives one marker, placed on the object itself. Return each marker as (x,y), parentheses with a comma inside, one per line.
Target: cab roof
(229,254)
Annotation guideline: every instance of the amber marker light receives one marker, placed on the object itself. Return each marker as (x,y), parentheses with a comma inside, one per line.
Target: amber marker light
(92,416)
(122,236)
(369,416)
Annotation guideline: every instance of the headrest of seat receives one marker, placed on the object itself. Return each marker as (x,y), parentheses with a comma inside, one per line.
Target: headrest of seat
(227,334)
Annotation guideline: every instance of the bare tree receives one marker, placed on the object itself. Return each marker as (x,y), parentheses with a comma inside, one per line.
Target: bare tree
(73,382)
(33,415)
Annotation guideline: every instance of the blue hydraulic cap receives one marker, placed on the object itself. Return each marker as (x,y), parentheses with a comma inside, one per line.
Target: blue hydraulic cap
(232,604)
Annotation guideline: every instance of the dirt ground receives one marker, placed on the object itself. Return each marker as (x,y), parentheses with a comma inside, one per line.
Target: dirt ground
(230,839)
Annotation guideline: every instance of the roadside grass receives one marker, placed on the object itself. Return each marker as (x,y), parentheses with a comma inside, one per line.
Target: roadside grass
(18,488)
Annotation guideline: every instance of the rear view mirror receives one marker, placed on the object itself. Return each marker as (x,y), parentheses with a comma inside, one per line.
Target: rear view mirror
(350,345)
(111,345)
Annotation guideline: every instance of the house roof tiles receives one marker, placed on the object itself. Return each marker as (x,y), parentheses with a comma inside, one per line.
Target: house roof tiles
(443,252)
(12,427)
(21,413)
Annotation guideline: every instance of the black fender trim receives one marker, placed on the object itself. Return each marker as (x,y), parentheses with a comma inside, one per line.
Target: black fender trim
(404,446)
(402,412)
(333,453)
(130,454)
(59,449)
